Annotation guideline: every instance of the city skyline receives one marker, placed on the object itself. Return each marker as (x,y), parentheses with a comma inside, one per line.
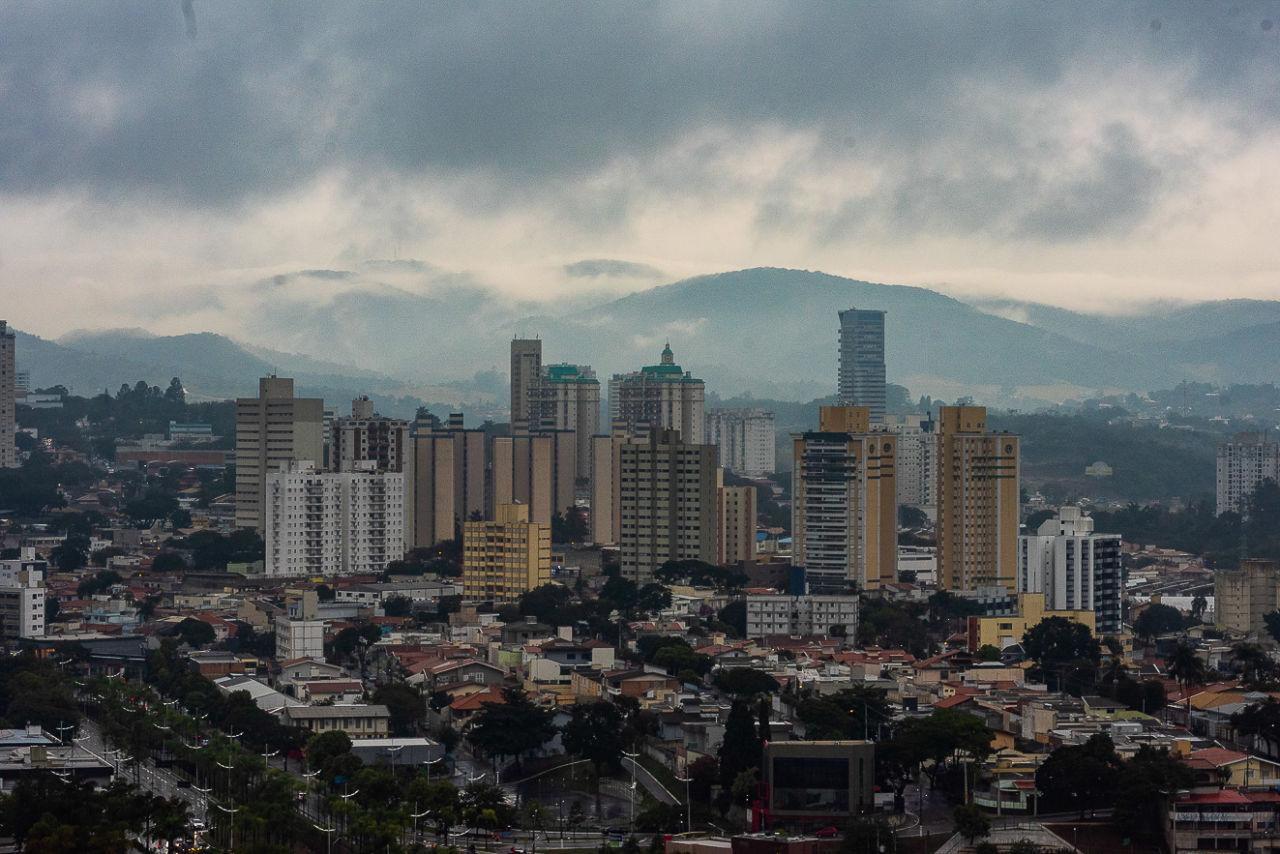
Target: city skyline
(162,170)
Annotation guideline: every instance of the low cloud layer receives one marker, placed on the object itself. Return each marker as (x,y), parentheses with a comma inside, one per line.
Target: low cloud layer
(157,160)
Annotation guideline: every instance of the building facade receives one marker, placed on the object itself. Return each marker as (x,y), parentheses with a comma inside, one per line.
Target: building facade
(565,397)
(299,639)
(844,524)
(506,557)
(447,472)
(8,397)
(800,615)
(661,396)
(526,367)
(1243,596)
(273,430)
(1243,463)
(746,439)
(537,470)
(333,523)
(367,437)
(736,526)
(862,373)
(22,597)
(1074,567)
(917,467)
(667,493)
(978,502)
(814,784)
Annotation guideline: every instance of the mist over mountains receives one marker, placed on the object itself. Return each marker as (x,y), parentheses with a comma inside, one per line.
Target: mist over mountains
(769,333)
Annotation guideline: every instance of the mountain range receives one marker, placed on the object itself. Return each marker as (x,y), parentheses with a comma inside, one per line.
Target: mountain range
(769,333)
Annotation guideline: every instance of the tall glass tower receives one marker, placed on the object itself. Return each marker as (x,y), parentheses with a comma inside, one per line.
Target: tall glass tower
(862,361)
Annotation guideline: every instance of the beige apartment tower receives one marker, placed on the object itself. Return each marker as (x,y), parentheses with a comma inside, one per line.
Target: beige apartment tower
(505,557)
(977,497)
(662,396)
(273,430)
(537,470)
(606,465)
(446,472)
(8,397)
(526,368)
(736,531)
(844,509)
(1242,597)
(667,492)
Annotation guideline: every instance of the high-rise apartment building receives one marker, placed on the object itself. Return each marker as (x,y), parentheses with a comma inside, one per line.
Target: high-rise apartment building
(526,368)
(505,557)
(667,492)
(273,430)
(746,440)
(844,512)
(538,471)
(8,397)
(1243,463)
(447,469)
(22,597)
(978,496)
(565,397)
(862,374)
(1243,596)
(606,452)
(367,437)
(736,527)
(917,460)
(1076,568)
(333,523)
(661,396)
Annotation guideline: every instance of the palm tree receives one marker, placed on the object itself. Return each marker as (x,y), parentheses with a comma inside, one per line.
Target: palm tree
(1187,668)
(1255,665)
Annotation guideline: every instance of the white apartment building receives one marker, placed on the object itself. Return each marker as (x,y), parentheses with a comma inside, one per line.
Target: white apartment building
(333,523)
(8,397)
(917,463)
(776,614)
(299,639)
(22,597)
(746,438)
(1075,568)
(1243,463)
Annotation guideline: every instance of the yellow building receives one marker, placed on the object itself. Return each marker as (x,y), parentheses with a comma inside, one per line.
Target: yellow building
(844,508)
(1001,632)
(977,497)
(506,557)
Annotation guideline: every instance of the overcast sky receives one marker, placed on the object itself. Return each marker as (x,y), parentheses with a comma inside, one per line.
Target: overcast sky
(155,156)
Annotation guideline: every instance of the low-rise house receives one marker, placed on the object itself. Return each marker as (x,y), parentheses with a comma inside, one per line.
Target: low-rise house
(368,721)
(336,691)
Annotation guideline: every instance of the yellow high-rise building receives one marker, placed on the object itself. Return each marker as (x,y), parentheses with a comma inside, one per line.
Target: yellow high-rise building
(978,498)
(844,508)
(505,557)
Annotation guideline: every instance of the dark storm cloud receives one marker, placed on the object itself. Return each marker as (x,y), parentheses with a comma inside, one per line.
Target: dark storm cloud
(116,98)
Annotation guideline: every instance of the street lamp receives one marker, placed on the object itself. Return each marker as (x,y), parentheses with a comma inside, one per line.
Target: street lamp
(328,832)
(438,759)
(688,804)
(231,812)
(631,795)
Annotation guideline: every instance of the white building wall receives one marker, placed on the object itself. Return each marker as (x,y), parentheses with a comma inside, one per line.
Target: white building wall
(1075,568)
(746,438)
(916,464)
(22,598)
(333,523)
(800,615)
(299,639)
(1243,463)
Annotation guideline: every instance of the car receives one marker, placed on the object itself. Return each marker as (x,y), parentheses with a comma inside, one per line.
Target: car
(827,832)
